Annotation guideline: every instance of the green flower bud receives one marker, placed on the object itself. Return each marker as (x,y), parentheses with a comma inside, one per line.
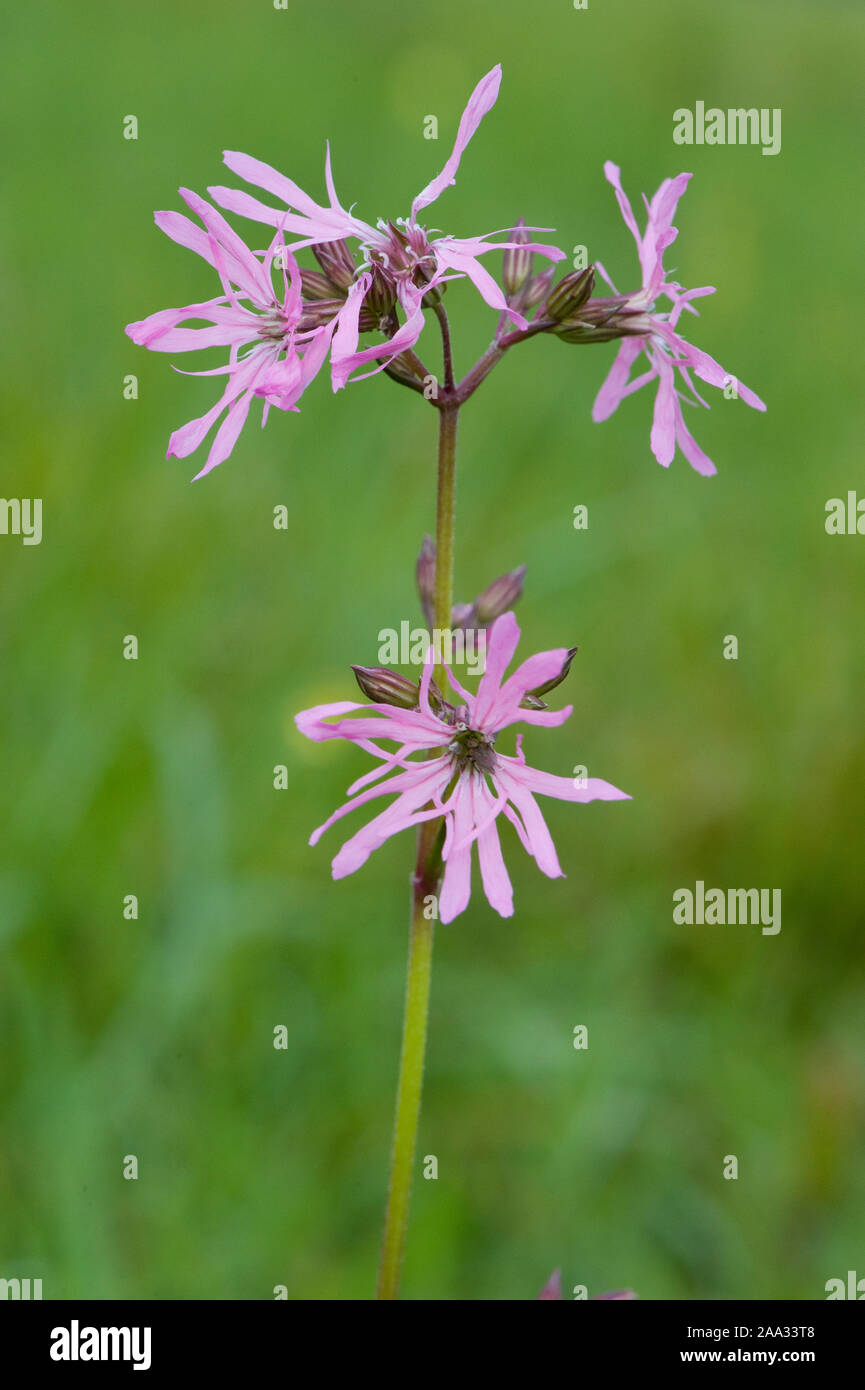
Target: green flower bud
(570,294)
(316,285)
(337,263)
(381,295)
(400,369)
(318,312)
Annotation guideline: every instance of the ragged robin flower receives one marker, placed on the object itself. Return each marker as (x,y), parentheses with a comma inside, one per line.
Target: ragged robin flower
(644,328)
(463,778)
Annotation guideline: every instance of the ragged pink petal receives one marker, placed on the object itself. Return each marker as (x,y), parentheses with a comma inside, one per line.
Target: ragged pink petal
(504,636)
(264,176)
(538,840)
(482,99)
(415,787)
(613,389)
(488,288)
(690,448)
(494,875)
(457,883)
(345,359)
(613,175)
(227,435)
(184,231)
(663,436)
(533,672)
(311,721)
(255,282)
(563,788)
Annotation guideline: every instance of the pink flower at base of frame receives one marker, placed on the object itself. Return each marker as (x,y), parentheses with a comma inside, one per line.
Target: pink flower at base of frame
(667,352)
(469,784)
(552,1292)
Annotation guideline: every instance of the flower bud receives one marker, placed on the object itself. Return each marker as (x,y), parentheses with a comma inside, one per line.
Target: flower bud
(463,615)
(315,285)
(337,263)
(401,369)
(537,288)
(602,320)
(516,261)
(318,312)
(434,296)
(532,698)
(570,294)
(381,295)
(425,571)
(398,249)
(500,596)
(386,687)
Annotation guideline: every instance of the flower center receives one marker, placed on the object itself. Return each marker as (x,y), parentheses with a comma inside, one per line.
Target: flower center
(402,248)
(273,324)
(472,750)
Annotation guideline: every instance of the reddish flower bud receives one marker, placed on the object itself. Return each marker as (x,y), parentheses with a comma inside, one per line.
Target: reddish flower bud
(516,261)
(538,288)
(337,263)
(499,596)
(532,699)
(381,295)
(425,571)
(386,687)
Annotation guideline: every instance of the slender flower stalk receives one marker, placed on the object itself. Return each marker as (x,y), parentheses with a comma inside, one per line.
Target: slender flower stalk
(425,884)
(445,523)
(410,1085)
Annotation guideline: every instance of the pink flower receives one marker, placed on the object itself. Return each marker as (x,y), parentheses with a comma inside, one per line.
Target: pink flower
(281,361)
(552,1292)
(468,783)
(655,335)
(404,251)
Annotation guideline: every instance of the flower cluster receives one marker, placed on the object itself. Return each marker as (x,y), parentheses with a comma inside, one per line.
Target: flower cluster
(382,279)
(396,266)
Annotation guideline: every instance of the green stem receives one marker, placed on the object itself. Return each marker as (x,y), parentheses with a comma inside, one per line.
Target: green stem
(408,1092)
(425,884)
(444,586)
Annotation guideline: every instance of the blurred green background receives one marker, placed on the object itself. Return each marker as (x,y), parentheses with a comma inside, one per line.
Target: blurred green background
(154,1037)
